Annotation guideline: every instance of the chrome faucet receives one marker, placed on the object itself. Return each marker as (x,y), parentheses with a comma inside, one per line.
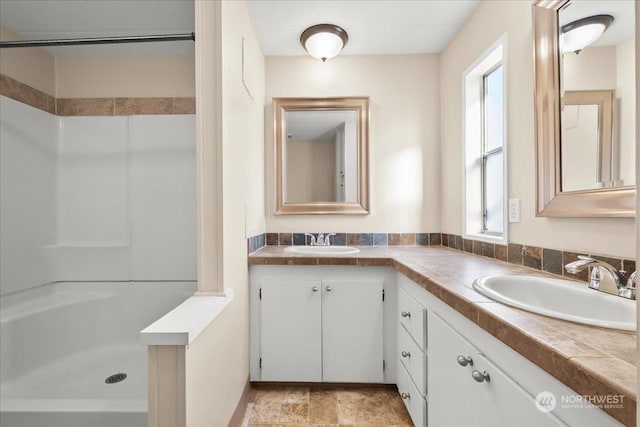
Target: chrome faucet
(626,288)
(321,239)
(630,290)
(312,240)
(327,239)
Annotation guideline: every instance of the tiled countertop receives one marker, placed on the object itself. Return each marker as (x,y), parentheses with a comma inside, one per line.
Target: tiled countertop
(590,360)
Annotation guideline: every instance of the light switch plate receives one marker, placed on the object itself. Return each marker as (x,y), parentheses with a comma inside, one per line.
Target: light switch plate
(514,210)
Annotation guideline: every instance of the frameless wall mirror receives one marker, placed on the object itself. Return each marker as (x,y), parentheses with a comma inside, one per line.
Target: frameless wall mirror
(585,107)
(321,155)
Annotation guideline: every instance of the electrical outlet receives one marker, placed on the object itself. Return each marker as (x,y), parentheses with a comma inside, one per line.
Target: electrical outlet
(514,210)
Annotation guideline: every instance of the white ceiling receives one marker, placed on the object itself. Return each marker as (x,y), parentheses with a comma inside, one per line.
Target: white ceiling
(306,125)
(374,27)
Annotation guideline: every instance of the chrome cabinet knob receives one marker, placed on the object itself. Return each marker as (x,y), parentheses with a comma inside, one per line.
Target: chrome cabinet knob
(405,396)
(480,376)
(405,354)
(328,288)
(406,314)
(464,361)
(314,289)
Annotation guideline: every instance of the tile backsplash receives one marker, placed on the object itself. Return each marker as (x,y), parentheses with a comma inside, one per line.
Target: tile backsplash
(256,242)
(549,260)
(359,239)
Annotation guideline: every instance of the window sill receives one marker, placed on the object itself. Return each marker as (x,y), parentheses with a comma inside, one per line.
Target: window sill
(486,238)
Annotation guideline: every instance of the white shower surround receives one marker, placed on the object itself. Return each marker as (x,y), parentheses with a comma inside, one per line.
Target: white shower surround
(59,343)
(98,227)
(95,198)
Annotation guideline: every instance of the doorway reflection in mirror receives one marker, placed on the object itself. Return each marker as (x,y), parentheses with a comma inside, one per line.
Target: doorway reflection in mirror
(321,156)
(598,142)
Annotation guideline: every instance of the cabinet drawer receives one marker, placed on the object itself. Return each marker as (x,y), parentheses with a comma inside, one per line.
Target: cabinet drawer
(493,400)
(413,359)
(415,403)
(413,316)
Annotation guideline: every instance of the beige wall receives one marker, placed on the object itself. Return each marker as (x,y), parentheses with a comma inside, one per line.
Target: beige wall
(124,76)
(404,147)
(311,171)
(593,69)
(626,108)
(491,20)
(99,76)
(32,66)
(217,362)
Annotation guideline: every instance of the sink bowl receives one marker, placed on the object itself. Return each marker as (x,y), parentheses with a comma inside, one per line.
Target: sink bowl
(322,250)
(562,299)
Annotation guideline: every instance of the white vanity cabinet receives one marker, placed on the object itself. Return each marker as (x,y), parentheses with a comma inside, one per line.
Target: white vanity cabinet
(330,324)
(505,387)
(470,390)
(326,330)
(316,326)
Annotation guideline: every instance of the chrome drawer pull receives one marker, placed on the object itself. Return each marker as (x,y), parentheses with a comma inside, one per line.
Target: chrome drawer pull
(406,314)
(480,376)
(405,354)
(405,396)
(314,289)
(464,361)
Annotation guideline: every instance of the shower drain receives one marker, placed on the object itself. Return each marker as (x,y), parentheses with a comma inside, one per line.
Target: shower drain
(115,378)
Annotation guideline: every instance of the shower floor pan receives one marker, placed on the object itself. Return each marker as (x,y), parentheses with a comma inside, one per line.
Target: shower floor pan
(73,392)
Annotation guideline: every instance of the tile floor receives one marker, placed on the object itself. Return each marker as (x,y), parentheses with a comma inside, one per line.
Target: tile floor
(280,406)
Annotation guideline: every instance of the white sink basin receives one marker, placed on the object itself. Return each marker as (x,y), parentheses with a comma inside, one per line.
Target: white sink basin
(322,250)
(562,299)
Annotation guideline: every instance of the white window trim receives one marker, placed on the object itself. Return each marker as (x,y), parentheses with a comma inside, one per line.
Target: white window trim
(472,200)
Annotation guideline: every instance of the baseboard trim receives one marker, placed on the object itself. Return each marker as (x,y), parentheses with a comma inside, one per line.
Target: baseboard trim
(258,384)
(241,408)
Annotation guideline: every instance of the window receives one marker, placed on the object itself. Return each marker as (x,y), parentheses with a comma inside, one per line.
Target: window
(484,140)
(492,164)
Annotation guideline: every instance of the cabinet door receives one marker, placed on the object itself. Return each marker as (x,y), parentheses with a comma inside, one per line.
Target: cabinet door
(456,399)
(352,331)
(290,331)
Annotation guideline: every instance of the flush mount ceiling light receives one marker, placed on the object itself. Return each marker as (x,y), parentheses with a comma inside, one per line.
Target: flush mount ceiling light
(579,34)
(324,41)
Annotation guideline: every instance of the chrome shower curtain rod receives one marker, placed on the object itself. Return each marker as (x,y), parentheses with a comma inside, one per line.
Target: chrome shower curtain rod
(100,40)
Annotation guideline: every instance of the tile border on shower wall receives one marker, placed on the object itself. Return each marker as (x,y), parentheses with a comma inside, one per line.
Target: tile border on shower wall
(124,106)
(84,107)
(116,106)
(26,94)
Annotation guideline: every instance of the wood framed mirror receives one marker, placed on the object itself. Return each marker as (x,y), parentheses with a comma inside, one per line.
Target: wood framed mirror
(322,155)
(597,81)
